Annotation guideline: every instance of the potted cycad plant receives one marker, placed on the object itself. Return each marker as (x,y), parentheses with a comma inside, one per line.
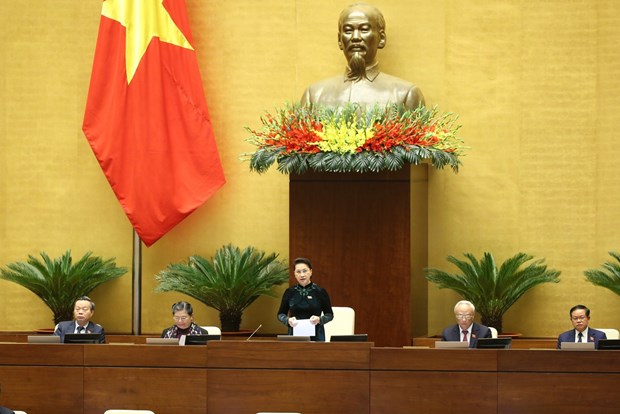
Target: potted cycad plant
(609,276)
(491,289)
(228,282)
(59,281)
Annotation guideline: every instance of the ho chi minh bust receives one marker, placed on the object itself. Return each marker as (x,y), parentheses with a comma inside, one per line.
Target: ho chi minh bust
(361,32)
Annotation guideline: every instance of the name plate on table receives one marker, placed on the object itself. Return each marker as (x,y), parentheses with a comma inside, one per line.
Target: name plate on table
(577,346)
(451,344)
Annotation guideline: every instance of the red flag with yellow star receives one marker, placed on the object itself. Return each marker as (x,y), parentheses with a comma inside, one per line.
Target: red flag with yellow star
(146,116)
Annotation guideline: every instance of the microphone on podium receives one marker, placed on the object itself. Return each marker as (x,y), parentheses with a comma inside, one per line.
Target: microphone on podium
(255,330)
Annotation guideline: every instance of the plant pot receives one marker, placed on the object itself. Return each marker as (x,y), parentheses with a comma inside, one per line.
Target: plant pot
(512,335)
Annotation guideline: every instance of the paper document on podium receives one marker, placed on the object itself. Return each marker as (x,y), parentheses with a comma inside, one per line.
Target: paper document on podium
(303,328)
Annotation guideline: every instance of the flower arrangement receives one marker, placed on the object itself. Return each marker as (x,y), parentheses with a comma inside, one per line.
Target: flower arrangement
(347,139)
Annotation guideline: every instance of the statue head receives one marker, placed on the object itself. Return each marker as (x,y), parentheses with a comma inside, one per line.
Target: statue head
(361,32)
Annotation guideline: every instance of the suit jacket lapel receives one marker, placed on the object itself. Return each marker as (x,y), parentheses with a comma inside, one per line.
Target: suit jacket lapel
(457,332)
(571,336)
(474,331)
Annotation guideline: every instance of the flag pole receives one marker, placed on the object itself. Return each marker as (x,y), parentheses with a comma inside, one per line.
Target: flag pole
(136,271)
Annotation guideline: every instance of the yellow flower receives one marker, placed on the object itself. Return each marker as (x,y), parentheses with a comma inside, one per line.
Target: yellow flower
(342,137)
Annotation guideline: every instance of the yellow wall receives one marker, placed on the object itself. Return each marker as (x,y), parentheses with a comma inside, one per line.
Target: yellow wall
(536,84)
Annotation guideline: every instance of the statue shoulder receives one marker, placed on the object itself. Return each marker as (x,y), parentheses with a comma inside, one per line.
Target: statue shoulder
(399,83)
(409,93)
(322,89)
(326,83)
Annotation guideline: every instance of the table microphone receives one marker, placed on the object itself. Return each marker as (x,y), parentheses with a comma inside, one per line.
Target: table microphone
(255,330)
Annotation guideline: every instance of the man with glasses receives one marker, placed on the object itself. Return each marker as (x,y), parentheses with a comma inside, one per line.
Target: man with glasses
(580,317)
(465,329)
(83,311)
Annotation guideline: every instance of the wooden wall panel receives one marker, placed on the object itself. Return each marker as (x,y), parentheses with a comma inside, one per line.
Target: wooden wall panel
(305,391)
(42,354)
(560,361)
(163,390)
(355,228)
(552,393)
(433,392)
(42,389)
(428,381)
(130,355)
(286,355)
(400,359)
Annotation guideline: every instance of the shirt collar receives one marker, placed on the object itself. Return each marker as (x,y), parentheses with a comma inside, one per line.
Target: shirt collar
(585,334)
(372,72)
(304,290)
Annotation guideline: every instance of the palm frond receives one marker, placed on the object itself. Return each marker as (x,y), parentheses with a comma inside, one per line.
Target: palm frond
(493,291)
(59,282)
(609,276)
(229,282)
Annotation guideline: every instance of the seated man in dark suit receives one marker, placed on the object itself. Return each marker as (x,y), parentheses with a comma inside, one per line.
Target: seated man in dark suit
(83,311)
(465,328)
(580,317)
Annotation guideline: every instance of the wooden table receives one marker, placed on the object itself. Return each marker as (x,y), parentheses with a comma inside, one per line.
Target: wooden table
(329,378)
(310,378)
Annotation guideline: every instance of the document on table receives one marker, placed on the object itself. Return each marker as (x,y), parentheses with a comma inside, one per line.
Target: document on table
(303,328)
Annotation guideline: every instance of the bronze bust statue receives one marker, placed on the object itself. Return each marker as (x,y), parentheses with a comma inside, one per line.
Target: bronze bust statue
(361,33)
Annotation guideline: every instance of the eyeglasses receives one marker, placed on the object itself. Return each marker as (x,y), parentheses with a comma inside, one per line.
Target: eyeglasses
(463,317)
(180,318)
(301,271)
(579,318)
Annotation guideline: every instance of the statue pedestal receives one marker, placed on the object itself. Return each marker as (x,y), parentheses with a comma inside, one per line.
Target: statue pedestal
(357,231)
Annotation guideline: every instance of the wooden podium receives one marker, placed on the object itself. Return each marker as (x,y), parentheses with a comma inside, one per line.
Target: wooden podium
(366,235)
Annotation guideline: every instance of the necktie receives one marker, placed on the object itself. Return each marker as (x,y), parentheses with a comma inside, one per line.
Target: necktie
(580,336)
(464,335)
(80,329)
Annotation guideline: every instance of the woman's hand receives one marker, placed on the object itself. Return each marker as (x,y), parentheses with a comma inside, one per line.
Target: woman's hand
(292,321)
(315,320)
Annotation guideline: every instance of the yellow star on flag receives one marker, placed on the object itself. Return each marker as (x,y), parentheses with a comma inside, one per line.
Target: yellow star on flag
(143,20)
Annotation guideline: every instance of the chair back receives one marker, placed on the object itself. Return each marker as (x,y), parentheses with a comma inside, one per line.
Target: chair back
(493,332)
(213,330)
(610,333)
(129,412)
(342,324)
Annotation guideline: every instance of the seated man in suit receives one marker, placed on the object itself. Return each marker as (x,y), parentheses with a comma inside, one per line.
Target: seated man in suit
(83,311)
(580,317)
(465,328)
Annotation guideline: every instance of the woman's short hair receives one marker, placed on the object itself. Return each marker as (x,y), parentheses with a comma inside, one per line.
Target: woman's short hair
(183,306)
(302,260)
